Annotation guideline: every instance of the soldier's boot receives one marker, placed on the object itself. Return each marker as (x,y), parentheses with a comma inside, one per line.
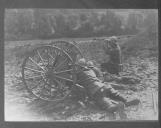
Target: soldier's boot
(128,102)
(132,102)
(118,108)
(115,106)
(121,112)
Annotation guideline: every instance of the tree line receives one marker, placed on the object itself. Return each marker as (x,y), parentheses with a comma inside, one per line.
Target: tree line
(23,24)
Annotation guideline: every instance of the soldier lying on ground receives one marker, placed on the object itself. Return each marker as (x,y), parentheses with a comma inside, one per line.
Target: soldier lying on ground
(103,94)
(118,82)
(114,65)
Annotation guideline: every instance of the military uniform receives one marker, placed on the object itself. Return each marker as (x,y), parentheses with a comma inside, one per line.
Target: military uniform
(104,95)
(88,79)
(114,66)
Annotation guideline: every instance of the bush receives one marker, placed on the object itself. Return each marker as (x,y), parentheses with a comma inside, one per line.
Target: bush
(143,44)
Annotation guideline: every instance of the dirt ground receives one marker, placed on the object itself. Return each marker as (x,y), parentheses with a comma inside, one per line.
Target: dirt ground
(21,106)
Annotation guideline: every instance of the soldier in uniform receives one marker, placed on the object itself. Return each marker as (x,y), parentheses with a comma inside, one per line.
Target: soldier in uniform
(102,93)
(114,65)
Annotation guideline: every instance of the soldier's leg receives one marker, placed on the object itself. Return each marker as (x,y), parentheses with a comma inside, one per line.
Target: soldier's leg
(111,107)
(115,95)
(105,103)
(79,93)
(108,104)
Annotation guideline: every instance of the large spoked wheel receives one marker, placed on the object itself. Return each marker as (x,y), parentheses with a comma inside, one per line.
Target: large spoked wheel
(48,73)
(69,48)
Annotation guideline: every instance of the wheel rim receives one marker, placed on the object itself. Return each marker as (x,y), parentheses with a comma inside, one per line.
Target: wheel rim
(69,48)
(48,73)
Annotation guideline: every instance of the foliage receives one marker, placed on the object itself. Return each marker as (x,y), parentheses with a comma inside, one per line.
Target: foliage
(54,23)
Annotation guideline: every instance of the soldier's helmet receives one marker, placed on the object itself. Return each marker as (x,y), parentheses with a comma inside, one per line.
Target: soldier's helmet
(90,64)
(82,62)
(113,42)
(113,39)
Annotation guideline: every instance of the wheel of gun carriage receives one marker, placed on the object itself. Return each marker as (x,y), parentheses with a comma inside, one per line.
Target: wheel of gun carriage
(48,73)
(69,47)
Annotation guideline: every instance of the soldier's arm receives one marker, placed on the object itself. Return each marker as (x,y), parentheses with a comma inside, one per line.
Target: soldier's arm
(111,77)
(98,72)
(107,48)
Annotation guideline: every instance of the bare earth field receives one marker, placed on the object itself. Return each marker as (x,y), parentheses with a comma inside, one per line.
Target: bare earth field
(21,106)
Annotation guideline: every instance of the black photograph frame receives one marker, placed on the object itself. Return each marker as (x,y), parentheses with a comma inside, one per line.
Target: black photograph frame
(81,4)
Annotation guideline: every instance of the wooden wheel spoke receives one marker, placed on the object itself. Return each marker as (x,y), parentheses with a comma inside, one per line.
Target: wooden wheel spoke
(36,85)
(59,83)
(33,69)
(55,61)
(57,52)
(47,55)
(65,71)
(51,56)
(63,78)
(42,90)
(38,76)
(35,63)
(58,66)
(48,90)
(40,57)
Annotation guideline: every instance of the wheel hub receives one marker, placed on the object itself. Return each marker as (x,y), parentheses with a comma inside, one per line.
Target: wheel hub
(49,74)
